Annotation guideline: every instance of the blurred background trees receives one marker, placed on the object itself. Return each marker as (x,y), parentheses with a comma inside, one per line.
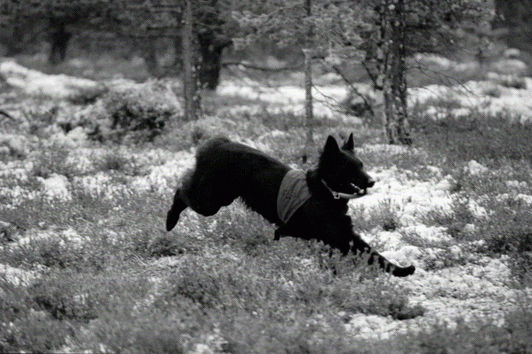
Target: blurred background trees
(137,25)
(513,24)
(378,35)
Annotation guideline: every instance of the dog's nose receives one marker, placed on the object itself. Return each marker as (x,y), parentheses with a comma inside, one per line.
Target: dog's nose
(371,182)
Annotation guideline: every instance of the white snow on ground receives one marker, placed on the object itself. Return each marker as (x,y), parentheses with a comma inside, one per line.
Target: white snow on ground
(34,82)
(473,96)
(16,276)
(474,293)
(410,198)
(56,186)
(164,178)
(68,237)
(477,96)
(288,98)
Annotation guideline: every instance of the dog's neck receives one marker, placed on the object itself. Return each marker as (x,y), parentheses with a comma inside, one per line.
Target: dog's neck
(321,191)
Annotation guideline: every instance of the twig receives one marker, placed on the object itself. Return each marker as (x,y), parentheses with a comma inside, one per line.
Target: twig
(261,68)
(4,113)
(354,89)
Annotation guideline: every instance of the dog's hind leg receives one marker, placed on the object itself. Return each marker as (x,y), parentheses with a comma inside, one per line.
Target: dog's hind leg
(177,207)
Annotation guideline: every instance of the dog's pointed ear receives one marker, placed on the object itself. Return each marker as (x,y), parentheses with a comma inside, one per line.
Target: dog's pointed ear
(349,144)
(331,146)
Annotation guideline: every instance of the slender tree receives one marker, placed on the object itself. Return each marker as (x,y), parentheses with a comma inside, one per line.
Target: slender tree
(308,53)
(190,64)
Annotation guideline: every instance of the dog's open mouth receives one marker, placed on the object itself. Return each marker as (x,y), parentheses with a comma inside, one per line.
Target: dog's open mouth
(354,191)
(358,191)
(347,191)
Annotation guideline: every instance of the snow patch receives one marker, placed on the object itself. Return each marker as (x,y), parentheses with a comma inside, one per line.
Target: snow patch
(164,178)
(16,276)
(428,234)
(288,99)
(474,168)
(56,186)
(65,238)
(476,96)
(34,82)
(411,199)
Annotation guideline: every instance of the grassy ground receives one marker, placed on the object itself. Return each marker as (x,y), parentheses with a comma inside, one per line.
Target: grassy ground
(89,267)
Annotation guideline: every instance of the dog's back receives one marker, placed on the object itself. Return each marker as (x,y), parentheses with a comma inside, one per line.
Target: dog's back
(226,170)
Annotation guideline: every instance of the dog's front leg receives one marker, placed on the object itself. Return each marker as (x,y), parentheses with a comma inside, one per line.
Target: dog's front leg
(359,246)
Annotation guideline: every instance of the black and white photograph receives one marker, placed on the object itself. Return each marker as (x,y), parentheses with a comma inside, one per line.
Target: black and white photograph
(266,176)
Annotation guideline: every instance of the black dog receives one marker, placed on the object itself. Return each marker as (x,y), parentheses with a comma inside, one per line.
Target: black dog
(311,205)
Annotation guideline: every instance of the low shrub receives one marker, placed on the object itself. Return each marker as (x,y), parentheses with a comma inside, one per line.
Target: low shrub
(237,226)
(135,112)
(35,333)
(301,333)
(376,296)
(482,337)
(63,299)
(456,221)
(508,231)
(130,328)
(87,95)
(51,159)
(165,245)
(387,216)
(485,138)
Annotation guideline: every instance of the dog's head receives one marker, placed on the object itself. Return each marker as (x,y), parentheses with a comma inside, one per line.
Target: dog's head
(341,170)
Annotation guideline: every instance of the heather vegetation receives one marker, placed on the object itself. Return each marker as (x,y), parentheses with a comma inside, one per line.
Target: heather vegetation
(86,264)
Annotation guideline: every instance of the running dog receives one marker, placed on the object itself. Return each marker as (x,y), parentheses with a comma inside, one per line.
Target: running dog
(308,205)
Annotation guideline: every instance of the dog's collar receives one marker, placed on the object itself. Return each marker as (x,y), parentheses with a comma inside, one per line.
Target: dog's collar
(340,195)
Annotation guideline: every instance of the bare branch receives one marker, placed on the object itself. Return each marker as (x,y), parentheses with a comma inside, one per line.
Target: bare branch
(262,68)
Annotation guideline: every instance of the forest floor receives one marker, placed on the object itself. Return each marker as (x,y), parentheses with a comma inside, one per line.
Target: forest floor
(87,266)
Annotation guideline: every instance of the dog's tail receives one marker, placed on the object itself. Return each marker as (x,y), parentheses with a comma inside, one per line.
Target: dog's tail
(173,214)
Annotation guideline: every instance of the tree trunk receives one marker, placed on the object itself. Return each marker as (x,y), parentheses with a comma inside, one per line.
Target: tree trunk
(392,72)
(211,47)
(149,53)
(190,66)
(309,115)
(59,38)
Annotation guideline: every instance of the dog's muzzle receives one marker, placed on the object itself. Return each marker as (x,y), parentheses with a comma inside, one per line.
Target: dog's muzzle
(363,191)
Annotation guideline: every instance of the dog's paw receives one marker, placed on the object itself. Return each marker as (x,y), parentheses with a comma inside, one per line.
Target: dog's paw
(171,219)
